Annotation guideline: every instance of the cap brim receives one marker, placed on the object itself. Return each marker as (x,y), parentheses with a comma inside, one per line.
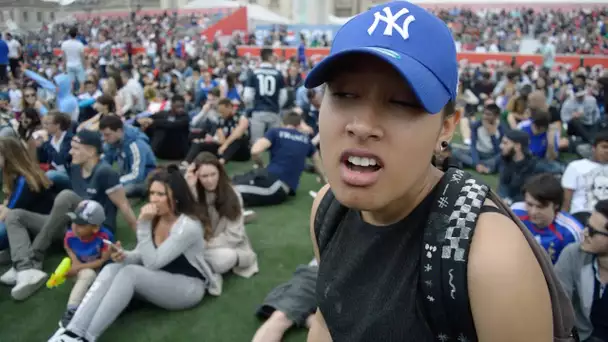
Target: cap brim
(77,219)
(429,91)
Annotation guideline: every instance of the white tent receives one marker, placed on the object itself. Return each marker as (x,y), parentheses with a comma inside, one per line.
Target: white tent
(257,15)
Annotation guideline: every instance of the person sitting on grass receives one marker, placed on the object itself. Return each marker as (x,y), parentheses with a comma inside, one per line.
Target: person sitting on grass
(483,154)
(229,246)
(166,268)
(91,179)
(129,148)
(231,140)
(289,148)
(84,243)
(292,303)
(24,187)
(540,212)
(56,150)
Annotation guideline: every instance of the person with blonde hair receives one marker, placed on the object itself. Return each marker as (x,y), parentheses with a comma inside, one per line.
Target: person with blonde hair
(25,186)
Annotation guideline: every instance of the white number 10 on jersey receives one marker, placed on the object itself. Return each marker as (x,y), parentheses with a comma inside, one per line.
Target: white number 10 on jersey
(267,85)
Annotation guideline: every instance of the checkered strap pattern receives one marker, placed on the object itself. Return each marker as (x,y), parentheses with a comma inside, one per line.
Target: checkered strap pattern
(458,201)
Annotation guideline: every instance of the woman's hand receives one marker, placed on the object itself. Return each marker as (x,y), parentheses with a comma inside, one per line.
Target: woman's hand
(148,212)
(190,175)
(118,254)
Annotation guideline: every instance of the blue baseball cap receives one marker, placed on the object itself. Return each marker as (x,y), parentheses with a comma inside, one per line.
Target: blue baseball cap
(415,42)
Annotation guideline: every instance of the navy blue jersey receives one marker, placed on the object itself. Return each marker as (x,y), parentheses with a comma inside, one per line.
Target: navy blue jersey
(267,82)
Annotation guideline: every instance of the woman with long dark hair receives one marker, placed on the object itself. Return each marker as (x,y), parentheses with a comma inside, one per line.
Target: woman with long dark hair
(24,186)
(167,268)
(228,246)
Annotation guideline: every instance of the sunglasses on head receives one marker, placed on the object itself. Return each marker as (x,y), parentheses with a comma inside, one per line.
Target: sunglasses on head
(592,231)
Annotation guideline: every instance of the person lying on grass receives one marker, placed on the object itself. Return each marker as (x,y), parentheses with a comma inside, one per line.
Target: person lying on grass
(167,268)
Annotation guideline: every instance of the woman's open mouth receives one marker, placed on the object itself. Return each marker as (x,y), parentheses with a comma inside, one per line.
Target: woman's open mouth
(360,168)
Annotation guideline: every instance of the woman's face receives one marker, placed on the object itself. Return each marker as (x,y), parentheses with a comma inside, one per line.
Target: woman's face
(377,141)
(161,196)
(30,96)
(209,176)
(100,108)
(25,121)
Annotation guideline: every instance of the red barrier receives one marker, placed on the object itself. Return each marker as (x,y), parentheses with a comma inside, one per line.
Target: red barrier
(568,61)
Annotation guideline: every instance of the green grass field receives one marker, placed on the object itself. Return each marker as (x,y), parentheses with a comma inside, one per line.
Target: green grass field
(280,236)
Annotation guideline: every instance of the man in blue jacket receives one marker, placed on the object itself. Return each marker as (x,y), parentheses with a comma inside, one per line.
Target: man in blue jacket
(129,147)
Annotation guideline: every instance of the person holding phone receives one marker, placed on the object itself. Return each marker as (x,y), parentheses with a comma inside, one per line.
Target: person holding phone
(166,268)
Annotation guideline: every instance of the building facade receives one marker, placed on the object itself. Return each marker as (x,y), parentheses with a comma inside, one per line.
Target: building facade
(27,14)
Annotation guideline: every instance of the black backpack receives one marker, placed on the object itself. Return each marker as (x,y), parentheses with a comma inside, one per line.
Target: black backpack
(443,269)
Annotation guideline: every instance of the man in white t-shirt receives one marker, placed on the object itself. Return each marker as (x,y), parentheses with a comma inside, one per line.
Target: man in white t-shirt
(14,54)
(73,55)
(585,181)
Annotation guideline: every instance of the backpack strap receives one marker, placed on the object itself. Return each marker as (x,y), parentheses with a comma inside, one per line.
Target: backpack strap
(447,238)
(329,214)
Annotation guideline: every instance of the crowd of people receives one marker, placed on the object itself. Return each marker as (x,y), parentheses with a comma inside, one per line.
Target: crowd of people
(84,138)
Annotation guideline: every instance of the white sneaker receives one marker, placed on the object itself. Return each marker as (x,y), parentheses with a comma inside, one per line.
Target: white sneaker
(28,282)
(5,257)
(9,277)
(57,335)
(61,336)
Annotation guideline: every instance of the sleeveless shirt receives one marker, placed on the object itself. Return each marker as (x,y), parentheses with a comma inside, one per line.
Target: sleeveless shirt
(367,287)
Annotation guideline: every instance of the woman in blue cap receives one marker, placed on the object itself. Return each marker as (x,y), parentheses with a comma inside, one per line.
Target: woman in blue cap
(389,105)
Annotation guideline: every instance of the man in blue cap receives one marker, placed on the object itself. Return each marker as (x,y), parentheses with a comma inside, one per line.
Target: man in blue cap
(389,105)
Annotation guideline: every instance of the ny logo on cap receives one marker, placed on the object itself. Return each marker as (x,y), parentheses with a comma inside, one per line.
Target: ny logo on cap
(391,22)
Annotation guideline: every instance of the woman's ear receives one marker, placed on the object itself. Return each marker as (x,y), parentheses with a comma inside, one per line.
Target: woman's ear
(448,127)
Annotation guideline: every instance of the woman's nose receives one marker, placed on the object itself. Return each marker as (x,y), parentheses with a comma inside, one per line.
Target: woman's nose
(364,127)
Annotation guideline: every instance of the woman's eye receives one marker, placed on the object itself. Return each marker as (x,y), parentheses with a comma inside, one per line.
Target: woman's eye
(405,104)
(344,95)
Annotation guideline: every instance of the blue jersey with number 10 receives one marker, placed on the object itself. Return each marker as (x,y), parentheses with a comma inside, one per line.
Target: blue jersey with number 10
(267,82)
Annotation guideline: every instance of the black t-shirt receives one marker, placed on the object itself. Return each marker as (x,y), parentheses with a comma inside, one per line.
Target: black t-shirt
(228,125)
(22,197)
(367,287)
(103,181)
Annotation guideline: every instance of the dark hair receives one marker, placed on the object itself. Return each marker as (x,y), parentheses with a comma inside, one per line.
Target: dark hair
(107,101)
(227,202)
(26,132)
(493,108)
(215,91)
(602,208)
(266,54)
(540,118)
(63,120)
(600,137)
(177,98)
(225,102)
(449,109)
(112,122)
(546,189)
(183,200)
(73,32)
(292,118)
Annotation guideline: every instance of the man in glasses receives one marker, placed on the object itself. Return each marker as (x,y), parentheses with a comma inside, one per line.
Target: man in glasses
(583,271)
